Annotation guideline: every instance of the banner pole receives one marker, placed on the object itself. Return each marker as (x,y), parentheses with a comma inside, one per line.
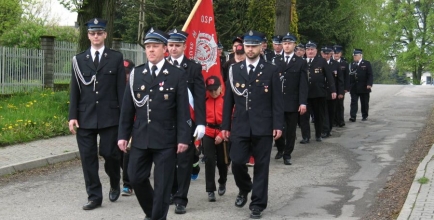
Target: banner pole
(191,15)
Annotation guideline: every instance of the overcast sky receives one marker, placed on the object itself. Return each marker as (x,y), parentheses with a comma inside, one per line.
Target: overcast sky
(65,17)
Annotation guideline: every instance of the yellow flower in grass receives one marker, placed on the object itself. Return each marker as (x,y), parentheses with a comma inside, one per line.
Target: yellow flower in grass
(29,121)
(55,116)
(27,106)
(10,127)
(34,100)
(19,120)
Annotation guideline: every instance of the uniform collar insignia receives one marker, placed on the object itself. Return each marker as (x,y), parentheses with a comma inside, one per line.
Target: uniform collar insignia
(87,56)
(262,66)
(145,71)
(242,66)
(165,72)
(293,59)
(105,54)
(184,65)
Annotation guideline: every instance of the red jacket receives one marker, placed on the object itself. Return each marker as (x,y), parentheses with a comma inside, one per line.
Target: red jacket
(214,112)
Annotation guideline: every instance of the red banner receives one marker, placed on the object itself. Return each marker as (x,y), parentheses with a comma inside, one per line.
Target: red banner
(202,39)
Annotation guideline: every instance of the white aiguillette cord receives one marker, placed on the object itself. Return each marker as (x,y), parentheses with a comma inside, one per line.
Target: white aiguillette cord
(245,93)
(79,77)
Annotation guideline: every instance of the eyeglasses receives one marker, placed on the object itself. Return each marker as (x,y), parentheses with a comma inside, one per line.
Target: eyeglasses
(100,33)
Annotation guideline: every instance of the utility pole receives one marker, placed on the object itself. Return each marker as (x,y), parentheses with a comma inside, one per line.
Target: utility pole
(141,21)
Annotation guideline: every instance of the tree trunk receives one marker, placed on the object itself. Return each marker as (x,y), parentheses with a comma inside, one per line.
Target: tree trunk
(95,9)
(283,16)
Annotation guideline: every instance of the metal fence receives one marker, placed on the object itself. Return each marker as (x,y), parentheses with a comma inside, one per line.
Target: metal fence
(63,53)
(21,70)
(133,52)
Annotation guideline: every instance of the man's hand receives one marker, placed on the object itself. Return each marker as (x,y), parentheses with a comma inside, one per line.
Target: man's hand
(334,95)
(182,148)
(302,109)
(72,123)
(218,140)
(368,87)
(226,135)
(340,96)
(199,132)
(345,91)
(122,144)
(277,134)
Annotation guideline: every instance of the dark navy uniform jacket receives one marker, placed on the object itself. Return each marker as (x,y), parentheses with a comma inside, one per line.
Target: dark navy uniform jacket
(98,104)
(319,74)
(363,78)
(343,65)
(262,111)
(338,79)
(169,114)
(294,82)
(196,84)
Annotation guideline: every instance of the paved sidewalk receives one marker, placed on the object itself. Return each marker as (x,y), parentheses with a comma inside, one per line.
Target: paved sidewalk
(419,204)
(35,154)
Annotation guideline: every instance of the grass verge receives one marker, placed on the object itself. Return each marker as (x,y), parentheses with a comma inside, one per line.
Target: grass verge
(30,116)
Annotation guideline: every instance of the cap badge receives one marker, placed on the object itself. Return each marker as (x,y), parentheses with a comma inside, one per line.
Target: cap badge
(251,33)
(287,34)
(95,21)
(152,30)
(210,81)
(175,31)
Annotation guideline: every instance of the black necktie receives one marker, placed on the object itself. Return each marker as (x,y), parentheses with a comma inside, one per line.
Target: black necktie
(251,69)
(96,60)
(153,69)
(287,59)
(176,63)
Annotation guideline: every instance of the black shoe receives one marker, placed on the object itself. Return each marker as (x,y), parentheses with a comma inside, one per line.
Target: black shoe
(180,209)
(171,199)
(211,197)
(287,161)
(326,135)
(147,218)
(364,119)
(352,119)
(222,189)
(278,155)
(114,194)
(304,141)
(318,139)
(91,205)
(256,214)
(241,199)
(341,125)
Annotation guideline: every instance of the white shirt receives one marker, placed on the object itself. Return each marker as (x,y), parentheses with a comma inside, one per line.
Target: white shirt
(159,66)
(179,59)
(255,63)
(290,56)
(92,52)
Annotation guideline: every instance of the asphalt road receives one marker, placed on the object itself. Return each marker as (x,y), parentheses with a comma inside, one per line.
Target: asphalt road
(335,179)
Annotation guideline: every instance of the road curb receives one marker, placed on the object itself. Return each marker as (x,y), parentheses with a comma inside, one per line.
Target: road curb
(407,208)
(11,169)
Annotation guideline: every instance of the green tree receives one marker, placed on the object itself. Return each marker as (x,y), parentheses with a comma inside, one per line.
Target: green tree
(10,13)
(411,27)
(261,16)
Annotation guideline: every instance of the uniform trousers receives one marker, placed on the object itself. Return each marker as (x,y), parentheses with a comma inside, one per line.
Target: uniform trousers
(154,201)
(260,148)
(364,104)
(280,143)
(329,116)
(318,106)
(183,169)
(214,154)
(108,149)
(291,119)
(125,159)
(339,115)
